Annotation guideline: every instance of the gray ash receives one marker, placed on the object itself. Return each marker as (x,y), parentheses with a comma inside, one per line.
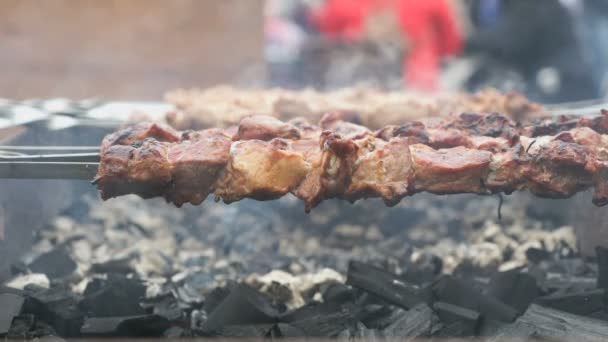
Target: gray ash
(430,267)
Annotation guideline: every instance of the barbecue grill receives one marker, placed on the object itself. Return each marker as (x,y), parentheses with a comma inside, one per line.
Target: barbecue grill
(135,267)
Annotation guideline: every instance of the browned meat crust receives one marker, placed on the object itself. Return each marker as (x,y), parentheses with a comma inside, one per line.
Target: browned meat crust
(226,106)
(264,158)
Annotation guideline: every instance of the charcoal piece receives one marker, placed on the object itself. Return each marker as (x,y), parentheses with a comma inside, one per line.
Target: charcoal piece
(323,319)
(165,305)
(385,285)
(490,327)
(130,326)
(362,333)
(514,288)
(455,330)
(580,303)
(243,331)
(326,319)
(175,333)
(287,330)
(379,316)
(115,296)
(338,293)
(369,335)
(425,269)
(43,330)
(36,289)
(243,305)
(602,266)
(10,306)
(601,315)
(21,326)
(168,308)
(311,310)
(420,321)
(467,269)
(118,266)
(19,268)
(515,332)
(551,324)
(345,336)
(94,285)
(55,264)
(326,325)
(7,289)
(457,292)
(140,326)
(215,297)
(26,327)
(563,282)
(49,338)
(449,314)
(57,307)
(572,267)
(536,255)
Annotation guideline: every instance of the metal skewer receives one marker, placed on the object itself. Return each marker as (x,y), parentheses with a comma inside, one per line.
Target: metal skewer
(60,158)
(82,162)
(16,164)
(48,170)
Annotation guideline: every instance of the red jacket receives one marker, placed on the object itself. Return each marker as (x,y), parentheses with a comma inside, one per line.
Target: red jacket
(432,32)
(342,19)
(429,26)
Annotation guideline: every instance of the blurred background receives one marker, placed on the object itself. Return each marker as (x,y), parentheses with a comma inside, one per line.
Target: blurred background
(551,50)
(65,65)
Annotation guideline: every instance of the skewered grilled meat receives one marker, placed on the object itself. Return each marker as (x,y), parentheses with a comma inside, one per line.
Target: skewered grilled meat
(226,106)
(264,158)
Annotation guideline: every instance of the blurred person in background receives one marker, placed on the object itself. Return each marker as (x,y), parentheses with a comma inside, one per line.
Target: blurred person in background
(342,19)
(427,30)
(284,39)
(358,41)
(484,14)
(432,32)
(538,39)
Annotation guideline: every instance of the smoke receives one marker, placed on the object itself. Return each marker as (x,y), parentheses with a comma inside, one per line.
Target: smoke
(28,205)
